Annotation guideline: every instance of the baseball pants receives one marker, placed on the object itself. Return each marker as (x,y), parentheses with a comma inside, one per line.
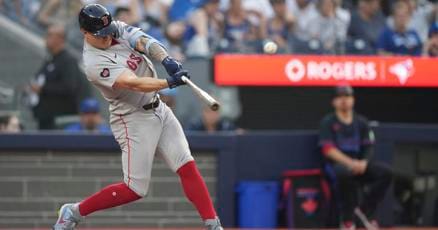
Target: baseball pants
(141,135)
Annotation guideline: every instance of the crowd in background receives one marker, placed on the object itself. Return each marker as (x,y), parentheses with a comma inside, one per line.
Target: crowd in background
(203,27)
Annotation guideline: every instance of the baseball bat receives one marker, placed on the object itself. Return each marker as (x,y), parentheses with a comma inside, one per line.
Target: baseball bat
(204,96)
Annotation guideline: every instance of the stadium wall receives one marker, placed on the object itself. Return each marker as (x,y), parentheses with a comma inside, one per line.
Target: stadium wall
(251,156)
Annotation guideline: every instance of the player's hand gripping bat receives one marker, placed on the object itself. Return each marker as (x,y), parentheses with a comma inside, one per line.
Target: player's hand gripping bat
(204,96)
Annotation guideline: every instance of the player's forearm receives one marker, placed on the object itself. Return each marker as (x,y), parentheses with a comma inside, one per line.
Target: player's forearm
(146,84)
(339,157)
(154,50)
(128,80)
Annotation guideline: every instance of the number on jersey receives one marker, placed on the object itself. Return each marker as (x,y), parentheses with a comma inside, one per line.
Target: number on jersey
(133,62)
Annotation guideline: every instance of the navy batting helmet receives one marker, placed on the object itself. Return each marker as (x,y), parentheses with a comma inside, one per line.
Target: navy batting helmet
(96,19)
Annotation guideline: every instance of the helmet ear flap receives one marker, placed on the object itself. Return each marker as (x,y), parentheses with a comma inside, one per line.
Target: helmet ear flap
(116,34)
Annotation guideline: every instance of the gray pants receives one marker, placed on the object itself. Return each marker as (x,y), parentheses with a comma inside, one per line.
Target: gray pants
(143,133)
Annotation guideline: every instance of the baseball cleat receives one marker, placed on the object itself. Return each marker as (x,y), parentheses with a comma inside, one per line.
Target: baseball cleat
(68,218)
(375,224)
(213,224)
(348,225)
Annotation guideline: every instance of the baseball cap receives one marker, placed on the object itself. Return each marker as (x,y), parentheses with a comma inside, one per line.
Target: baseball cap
(89,105)
(433,29)
(344,90)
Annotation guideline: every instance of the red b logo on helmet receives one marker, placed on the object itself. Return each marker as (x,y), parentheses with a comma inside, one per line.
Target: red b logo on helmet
(105,20)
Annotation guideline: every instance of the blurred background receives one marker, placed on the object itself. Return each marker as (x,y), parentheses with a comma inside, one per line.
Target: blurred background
(56,145)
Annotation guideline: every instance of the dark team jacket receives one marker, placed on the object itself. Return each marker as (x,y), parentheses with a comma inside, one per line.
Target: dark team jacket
(65,86)
(355,139)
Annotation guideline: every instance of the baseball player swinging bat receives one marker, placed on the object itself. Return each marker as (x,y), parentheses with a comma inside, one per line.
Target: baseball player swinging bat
(118,62)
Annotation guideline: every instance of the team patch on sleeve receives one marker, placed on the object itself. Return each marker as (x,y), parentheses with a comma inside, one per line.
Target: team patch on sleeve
(105,73)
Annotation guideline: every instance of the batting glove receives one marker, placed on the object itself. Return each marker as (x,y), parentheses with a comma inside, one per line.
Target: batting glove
(171,65)
(175,80)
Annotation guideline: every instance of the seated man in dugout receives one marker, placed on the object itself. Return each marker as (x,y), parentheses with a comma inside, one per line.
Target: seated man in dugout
(346,141)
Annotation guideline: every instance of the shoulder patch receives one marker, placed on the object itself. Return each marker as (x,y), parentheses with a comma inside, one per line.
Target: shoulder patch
(105,73)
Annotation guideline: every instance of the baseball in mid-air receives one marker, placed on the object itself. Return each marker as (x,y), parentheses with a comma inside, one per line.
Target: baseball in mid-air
(270,47)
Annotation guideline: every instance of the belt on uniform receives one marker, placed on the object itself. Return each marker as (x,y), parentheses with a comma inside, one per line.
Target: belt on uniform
(152,105)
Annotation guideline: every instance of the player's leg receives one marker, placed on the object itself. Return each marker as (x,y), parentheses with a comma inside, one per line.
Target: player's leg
(378,177)
(347,187)
(175,150)
(137,134)
(137,156)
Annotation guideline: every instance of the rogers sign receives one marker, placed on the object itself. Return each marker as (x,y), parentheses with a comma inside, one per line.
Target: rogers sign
(295,70)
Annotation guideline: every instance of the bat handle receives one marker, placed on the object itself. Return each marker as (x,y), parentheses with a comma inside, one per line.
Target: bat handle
(185,79)
(188,82)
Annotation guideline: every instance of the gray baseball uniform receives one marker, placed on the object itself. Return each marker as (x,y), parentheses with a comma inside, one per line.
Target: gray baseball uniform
(140,133)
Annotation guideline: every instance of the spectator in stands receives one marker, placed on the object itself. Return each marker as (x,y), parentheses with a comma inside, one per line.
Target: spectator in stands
(155,17)
(342,13)
(179,10)
(204,29)
(156,11)
(422,15)
(90,119)
(261,6)
(13,9)
(211,122)
(59,84)
(327,27)
(366,24)
(240,34)
(431,46)
(134,7)
(174,34)
(303,11)
(57,11)
(400,40)
(184,29)
(60,12)
(346,141)
(151,27)
(124,14)
(10,124)
(258,11)
(280,25)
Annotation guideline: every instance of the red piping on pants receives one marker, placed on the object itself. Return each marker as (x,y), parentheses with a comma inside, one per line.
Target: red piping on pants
(129,149)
